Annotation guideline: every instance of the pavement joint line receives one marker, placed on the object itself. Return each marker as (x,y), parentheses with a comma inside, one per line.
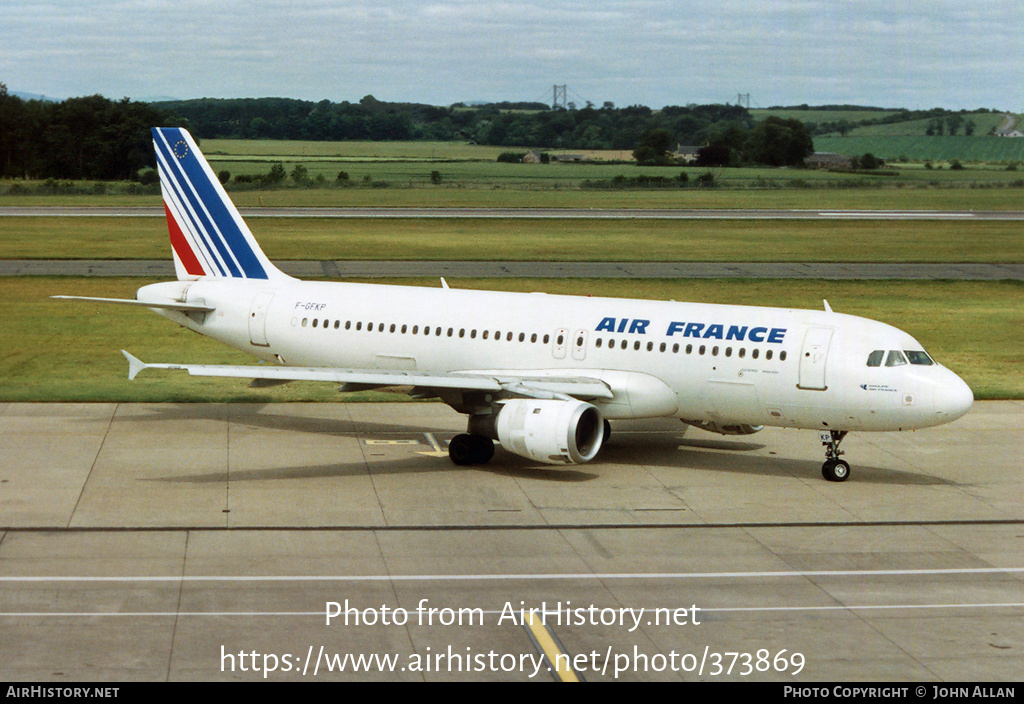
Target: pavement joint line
(541,576)
(512,526)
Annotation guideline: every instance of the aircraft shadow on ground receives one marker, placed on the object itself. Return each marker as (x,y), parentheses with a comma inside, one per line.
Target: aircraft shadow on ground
(664,450)
(727,456)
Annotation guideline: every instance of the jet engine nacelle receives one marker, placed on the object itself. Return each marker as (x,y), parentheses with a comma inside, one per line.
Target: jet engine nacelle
(551,431)
(725,428)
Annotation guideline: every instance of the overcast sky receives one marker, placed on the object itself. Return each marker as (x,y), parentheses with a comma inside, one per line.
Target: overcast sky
(891,53)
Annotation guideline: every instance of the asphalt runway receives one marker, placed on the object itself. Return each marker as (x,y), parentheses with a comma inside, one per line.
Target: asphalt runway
(210,542)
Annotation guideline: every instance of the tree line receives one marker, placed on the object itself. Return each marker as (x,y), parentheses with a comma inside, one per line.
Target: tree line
(80,138)
(99,139)
(500,124)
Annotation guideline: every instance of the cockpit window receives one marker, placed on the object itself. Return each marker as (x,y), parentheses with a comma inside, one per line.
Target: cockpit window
(919,357)
(895,359)
(875,358)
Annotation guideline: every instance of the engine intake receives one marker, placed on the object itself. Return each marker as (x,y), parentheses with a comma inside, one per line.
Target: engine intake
(550,431)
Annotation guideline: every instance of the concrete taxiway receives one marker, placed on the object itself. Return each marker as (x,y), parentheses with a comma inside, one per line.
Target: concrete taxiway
(210,541)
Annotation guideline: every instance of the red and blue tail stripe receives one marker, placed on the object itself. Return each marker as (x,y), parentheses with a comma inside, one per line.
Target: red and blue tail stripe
(208,236)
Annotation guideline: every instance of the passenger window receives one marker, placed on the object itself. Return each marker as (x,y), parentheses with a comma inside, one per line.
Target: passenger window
(919,357)
(875,358)
(895,359)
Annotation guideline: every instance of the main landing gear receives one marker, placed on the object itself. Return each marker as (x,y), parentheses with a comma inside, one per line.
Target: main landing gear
(834,469)
(466,449)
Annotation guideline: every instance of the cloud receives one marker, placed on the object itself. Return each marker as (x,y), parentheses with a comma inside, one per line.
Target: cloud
(915,53)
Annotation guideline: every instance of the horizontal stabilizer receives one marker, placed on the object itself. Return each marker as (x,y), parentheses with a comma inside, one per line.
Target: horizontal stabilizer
(169,305)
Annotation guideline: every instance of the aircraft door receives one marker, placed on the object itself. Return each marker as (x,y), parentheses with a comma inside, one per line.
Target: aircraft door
(558,343)
(813,357)
(579,345)
(258,318)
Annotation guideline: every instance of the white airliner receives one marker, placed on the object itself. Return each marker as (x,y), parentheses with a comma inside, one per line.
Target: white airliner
(541,374)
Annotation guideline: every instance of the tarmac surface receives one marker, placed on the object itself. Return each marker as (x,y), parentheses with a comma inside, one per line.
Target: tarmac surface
(211,541)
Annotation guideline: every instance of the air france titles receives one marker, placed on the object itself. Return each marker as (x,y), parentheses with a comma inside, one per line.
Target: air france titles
(704,331)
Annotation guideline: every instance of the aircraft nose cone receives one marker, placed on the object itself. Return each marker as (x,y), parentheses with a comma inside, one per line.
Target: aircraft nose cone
(953,397)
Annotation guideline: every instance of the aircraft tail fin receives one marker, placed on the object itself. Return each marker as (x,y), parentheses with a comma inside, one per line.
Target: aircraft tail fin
(208,236)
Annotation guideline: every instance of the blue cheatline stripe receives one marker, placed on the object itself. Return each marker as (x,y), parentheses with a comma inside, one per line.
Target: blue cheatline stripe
(181,200)
(210,211)
(197,240)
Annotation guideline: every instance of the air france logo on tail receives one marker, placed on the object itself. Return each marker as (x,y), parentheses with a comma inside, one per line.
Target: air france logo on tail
(208,236)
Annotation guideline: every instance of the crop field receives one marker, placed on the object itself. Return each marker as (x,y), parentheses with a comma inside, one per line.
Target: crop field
(1000,150)
(412,164)
(69,351)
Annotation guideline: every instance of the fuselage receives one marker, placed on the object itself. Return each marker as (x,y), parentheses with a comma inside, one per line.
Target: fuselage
(724,365)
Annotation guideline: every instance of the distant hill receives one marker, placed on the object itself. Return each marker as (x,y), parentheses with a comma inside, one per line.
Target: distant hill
(34,96)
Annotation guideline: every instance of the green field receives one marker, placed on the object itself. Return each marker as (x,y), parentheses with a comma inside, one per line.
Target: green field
(69,351)
(540,239)
(452,174)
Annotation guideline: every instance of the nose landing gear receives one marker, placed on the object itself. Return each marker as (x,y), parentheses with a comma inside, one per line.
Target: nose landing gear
(834,469)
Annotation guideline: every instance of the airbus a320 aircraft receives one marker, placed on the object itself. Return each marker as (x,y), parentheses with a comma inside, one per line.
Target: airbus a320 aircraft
(541,374)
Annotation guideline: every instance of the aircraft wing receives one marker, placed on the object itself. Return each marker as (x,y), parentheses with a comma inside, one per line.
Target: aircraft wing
(533,386)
